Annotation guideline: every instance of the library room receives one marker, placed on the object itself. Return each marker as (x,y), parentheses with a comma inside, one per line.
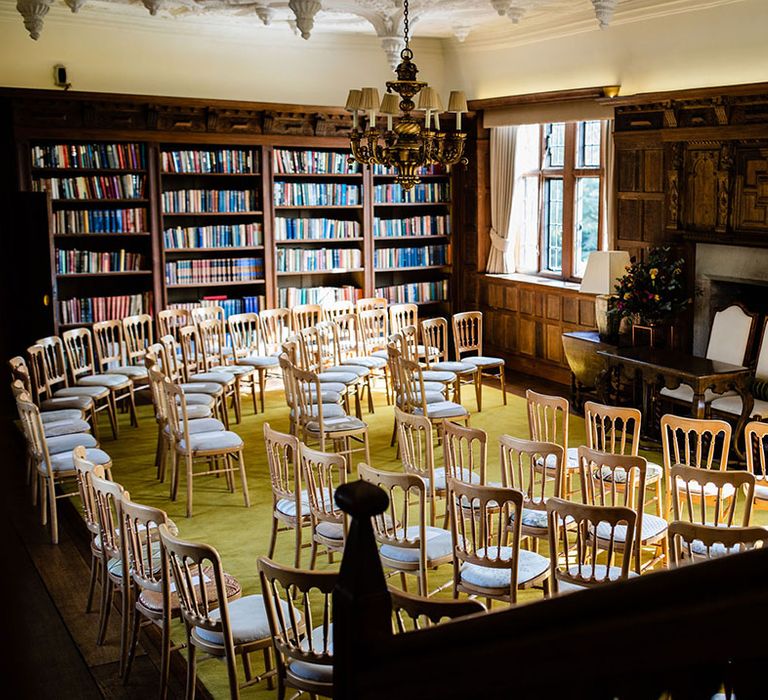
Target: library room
(361,350)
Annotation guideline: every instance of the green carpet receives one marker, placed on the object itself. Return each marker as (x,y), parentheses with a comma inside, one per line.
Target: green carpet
(241,534)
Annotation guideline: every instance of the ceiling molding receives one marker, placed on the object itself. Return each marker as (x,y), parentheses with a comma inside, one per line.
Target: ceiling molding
(592,93)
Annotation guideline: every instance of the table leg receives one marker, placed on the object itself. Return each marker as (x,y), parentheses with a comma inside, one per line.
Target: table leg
(698,406)
(747,404)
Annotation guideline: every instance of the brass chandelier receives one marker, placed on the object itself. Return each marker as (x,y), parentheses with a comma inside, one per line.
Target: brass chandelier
(409,145)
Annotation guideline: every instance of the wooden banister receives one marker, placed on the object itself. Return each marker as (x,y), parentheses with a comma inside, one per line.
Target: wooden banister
(685,631)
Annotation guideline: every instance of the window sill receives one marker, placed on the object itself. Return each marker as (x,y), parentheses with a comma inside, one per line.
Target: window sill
(537,280)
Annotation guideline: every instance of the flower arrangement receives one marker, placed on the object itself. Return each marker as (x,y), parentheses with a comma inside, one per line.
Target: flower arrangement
(652,291)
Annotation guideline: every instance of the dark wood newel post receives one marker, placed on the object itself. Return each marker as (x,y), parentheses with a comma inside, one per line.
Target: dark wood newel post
(362,612)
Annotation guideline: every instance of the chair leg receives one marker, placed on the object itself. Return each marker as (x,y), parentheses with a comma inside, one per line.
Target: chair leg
(368,385)
(134,640)
(125,623)
(297,557)
(188,463)
(106,606)
(243,478)
(502,380)
(174,486)
(268,667)
(262,384)
(112,410)
(273,539)
(94,421)
(191,667)
(165,654)
(313,551)
(95,566)
(479,390)
(132,407)
(236,402)
(54,511)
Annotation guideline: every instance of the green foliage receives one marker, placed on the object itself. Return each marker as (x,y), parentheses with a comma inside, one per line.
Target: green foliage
(653,290)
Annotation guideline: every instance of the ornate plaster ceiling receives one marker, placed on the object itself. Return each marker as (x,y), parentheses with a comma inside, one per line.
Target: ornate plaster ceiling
(507,21)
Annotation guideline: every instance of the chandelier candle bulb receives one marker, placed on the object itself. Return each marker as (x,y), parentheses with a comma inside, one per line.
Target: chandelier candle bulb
(457,104)
(353,105)
(390,106)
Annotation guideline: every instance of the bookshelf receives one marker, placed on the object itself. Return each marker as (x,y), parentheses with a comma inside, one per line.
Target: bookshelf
(411,234)
(213,226)
(99,226)
(318,226)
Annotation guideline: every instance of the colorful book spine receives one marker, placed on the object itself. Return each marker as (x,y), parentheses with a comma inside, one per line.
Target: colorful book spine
(205,201)
(435,169)
(99,221)
(412,293)
(222,160)
(94,309)
(213,270)
(84,261)
(291,161)
(224,236)
(290,229)
(316,194)
(92,187)
(422,256)
(246,305)
(429,225)
(103,156)
(291,296)
(298,260)
(425,193)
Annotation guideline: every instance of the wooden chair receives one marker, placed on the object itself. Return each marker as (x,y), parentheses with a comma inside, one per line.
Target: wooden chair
(697,443)
(348,339)
(305,316)
(407,548)
(488,560)
(342,307)
(414,352)
(521,462)
(548,422)
(55,423)
(730,338)
(213,625)
(411,612)
(402,315)
(617,430)
(246,335)
(434,335)
(224,446)
(171,321)
(79,347)
(468,338)
(276,327)
(322,473)
(324,337)
(371,304)
(575,551)
(314,424)
(108,339)
(139,335)
(755,434)
(691,542)
(374,330)
(299,607)
(290,502)
(50,461)
(599,473)
(465,451)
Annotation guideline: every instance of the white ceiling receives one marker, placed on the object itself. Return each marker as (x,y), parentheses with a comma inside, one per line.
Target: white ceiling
(479,22)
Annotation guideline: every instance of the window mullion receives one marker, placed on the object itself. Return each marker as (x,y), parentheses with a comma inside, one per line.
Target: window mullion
(569,200)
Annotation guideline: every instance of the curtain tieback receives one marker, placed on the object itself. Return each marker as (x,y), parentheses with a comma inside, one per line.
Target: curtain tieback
(499,243)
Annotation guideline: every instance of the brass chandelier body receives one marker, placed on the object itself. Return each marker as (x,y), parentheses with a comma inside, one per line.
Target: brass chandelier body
(409,145)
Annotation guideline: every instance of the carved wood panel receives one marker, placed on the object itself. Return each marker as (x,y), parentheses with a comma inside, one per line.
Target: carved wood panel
(751,190)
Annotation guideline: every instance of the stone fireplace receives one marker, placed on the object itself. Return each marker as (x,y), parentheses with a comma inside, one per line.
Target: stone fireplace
(727,274)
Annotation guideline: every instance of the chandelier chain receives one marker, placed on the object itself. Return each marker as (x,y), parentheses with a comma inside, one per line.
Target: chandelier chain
(405,23)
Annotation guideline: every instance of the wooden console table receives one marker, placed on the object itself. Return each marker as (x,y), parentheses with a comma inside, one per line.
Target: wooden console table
(657,369)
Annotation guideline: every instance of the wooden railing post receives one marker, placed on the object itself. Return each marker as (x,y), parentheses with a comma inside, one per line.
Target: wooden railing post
(362,608)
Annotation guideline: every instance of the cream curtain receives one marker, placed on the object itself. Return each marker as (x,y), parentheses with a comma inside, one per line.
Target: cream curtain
(609,194)
(503,141)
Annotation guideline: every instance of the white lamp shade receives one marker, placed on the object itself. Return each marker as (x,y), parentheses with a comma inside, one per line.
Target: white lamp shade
(604,268)
(390,104)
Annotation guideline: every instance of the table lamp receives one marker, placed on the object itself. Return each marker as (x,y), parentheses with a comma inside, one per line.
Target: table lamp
(604,268)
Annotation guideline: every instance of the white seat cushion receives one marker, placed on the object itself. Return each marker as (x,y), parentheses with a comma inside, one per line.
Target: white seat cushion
(331,531)
(337,424)
(533,518)
(197,410)
(571,459)
(612,574)
(440,478)
(457,367)
(482,362)
(322,673)
(210,442)
(131,371)
(259,361)
(287,506)
(379,353)
(429,397)
(684,393)
(359,370)
(653,526)
(530,566)
(434,386)
(247,619)
(345,378)
(94,392)
(237,370)
(761,491)
(64,414)
(653,473)
(195,387)
(443,409)
(733,406)
(222,378)
(202,425)
(77,402)
(327,395)
(369,362)
(63,460)
(330,410)
(67,443)
(716,549)
(709,489)
(431,375)
(438,545)
(113,381)
(65,427)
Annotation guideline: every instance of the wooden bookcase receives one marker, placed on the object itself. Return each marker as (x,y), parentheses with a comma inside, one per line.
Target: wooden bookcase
(294,210)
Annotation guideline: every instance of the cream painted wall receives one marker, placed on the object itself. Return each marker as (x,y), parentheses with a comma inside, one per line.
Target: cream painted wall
(724,45)
(188,58)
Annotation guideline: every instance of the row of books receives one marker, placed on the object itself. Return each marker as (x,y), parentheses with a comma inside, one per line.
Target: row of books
(92,187)
(299,260)
(314,229)
(213,270)
(410,257)
(312,162)
(100,221)
(202,201)
(79,261)
(128,156)
(222,160)
(428,225)
(316,194)
(245,305)
(411,293)
(220,236)
(289,297)
(425,192)
(94,309)
(426,170)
